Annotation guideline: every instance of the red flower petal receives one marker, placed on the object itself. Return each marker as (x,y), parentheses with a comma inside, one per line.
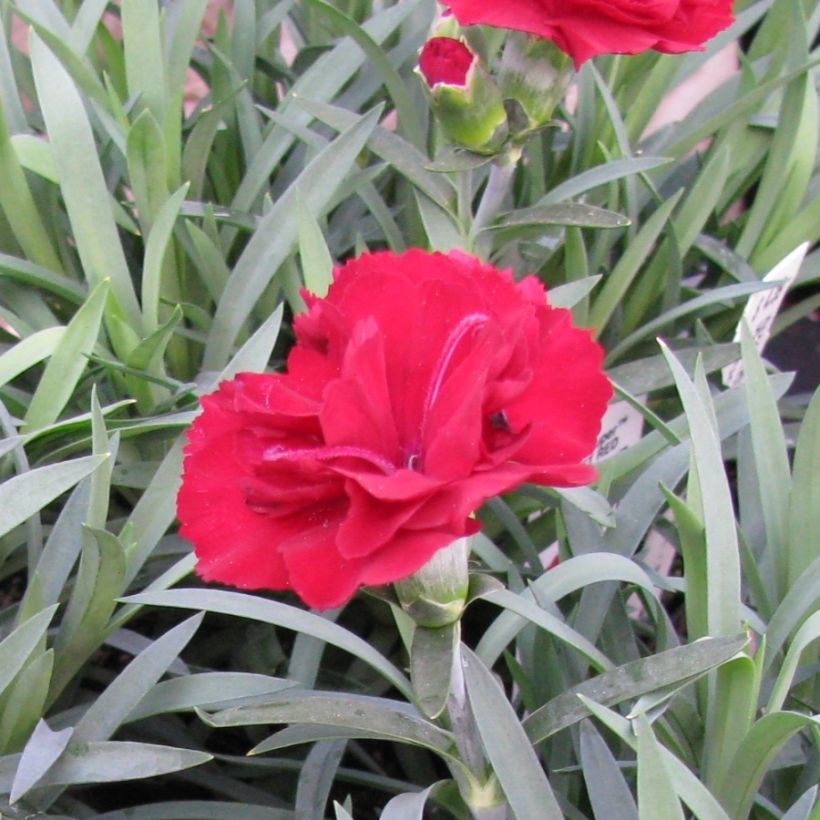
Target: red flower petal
(445,60)
(585,28)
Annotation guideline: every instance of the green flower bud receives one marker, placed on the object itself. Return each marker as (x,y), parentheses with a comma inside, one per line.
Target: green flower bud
(465,98)
(435,595)
(536,74)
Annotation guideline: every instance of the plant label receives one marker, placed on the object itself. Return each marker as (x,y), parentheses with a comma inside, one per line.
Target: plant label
(761,309)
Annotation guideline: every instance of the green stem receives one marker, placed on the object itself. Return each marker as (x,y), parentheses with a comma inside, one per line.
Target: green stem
(498,183)
(480,792)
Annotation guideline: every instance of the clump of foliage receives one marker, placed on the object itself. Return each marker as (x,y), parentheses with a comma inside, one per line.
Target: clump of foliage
(152,245)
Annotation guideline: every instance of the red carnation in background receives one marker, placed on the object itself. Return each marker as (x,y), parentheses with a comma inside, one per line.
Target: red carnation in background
(422,385)
(584,28)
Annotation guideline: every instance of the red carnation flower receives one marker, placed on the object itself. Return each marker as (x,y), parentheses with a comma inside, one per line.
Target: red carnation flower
(584,28)
(422,385)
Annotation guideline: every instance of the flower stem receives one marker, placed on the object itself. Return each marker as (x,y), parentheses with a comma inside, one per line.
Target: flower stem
(498,183)
(481,793)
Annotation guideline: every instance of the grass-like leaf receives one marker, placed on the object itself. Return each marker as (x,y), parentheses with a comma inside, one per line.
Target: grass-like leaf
(632,680)
(277,234)
(273,612)
(67,362)
(81,181)
(507,746)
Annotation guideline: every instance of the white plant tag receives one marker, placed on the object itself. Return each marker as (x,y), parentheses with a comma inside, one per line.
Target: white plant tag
(761,309)
(621,428)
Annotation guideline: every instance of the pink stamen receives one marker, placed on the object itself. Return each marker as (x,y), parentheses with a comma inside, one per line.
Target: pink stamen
(468,323)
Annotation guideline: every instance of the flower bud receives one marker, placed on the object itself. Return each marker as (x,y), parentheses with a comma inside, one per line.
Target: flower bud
(536,74)
(435,595)
(465,98)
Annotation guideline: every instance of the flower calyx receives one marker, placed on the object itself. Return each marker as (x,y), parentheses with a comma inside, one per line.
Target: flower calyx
(435,595)
(535,74)
(465,98)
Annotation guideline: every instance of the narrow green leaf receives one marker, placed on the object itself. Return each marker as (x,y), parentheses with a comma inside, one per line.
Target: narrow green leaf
(656,796)
(100,580)
(431,666)
(783,151)
(187,30)
(408,806)
(41,752)
(256,352)
(155,252)
(507,746)
(144,63)
(199,810)
(686,784)
(46,582)
(273,612)
(274,238)
(36,155)
(800,601)
(113,706)
(155,510)
(801,809)
(439,225)
(403,157)
(770,457)
(317,264)
(549,623)
(209,263)
(147,167)
(341,812)
(692,538)
(85,23)
(24,495)
(26,701)
(388,719)
(731,711)
(81,180)
(20,208)
(569,576)
(207,690)
(609,794)
(632,680)
(409,119)
(600,175)
(701,199)
(147,355)
(623,274)
(808,633)
(804,509)
(316,777)
(111,761)
(9,93)
(565,213)
(29,351)
(752,760)
(17,647)
(570,294)
(722,557)
(321,82)
(652,373)
(714,296)
(697,128)
(21,270)
(68,362)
